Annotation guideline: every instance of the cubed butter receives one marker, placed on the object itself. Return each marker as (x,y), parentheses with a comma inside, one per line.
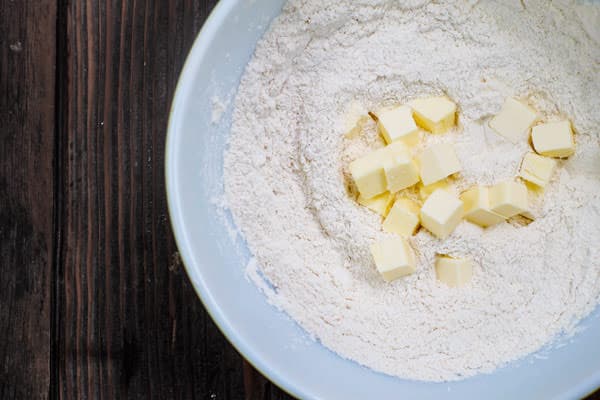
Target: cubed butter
(537,169)
(400,172)
(393,258)
(434,114)
(368,175)
(394,149)
(514,120)
(437,162)
(380,204)
(477,207)
(368,171)
(454,272)
(403,218)
(553,139)
(508,198)
(426,190)
(441,213)
(398,124)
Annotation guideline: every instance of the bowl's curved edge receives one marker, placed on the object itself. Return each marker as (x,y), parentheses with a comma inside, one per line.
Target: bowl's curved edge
(195,57)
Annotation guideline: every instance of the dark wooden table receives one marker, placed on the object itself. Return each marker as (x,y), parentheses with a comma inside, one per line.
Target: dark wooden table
(94,302)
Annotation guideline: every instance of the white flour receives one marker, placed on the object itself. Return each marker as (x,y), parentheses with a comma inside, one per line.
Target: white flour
(284,182)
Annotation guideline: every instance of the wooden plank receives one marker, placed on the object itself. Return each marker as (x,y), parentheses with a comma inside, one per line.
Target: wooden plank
(27,49)
(129,322)
(258,387)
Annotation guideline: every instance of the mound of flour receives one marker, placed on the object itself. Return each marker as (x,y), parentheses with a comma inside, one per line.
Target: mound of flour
(317,68)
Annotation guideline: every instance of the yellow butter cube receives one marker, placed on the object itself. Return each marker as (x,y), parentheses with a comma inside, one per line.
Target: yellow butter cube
(395,149)
(441,213)
(437,162)
(434,114)
(368,175)
(403,218)
(426,190)
(553,139)
(454,272)
(398,124)
(537,169)
(380,204)
(514,120)
(477,207)
(393,258)
(400,172)
(508,198)
(368,172)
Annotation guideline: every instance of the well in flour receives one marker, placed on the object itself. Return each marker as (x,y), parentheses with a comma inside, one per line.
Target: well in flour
(287,156)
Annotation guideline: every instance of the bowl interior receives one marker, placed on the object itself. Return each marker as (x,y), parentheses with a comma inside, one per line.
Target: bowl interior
(215,259)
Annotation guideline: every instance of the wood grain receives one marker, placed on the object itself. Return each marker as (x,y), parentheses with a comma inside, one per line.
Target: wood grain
(27,56)
(129,322)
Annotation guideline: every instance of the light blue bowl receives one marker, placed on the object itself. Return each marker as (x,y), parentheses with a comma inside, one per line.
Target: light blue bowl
(215,262)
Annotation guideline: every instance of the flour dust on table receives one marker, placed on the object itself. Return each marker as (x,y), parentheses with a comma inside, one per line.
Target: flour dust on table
(318,71)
